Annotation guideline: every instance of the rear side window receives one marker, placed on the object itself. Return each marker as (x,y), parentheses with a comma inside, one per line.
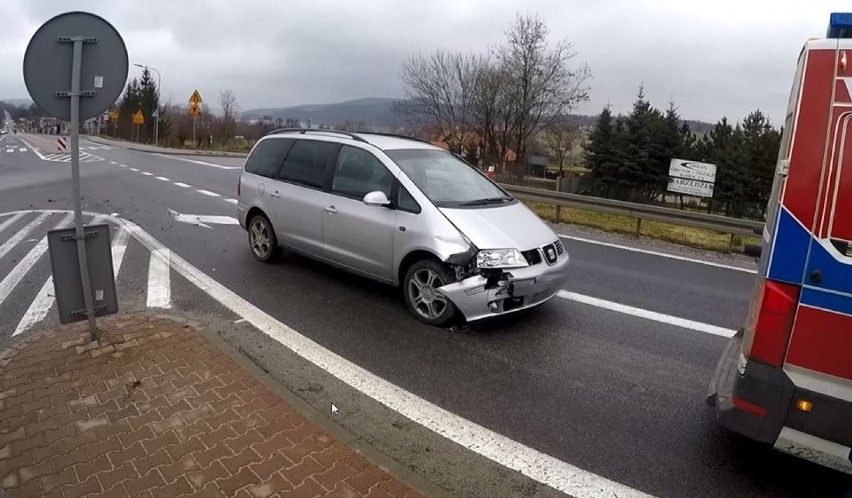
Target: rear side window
(266,158)
(357,173)
(306,162)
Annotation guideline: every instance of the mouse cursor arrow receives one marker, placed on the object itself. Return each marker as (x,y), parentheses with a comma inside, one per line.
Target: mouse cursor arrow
(333,409)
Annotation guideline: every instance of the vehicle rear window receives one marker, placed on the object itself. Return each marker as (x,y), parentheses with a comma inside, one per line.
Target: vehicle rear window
(266,158)
(306,162)
(358,172)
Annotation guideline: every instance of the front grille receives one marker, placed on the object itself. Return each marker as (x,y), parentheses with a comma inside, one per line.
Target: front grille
(533,256)
(559,248)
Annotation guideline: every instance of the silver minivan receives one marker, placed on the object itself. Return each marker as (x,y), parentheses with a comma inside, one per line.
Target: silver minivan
(404,212)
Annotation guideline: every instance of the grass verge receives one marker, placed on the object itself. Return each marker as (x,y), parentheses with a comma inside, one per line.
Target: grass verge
(688,236)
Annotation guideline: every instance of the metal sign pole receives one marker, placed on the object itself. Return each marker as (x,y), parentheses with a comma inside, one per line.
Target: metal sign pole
(75,179)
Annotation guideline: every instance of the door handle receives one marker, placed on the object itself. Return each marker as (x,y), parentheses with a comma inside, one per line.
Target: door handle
(330,209)
(274,194)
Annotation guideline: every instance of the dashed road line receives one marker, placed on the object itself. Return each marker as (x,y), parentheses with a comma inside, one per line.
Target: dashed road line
(163,179)
(134,170)
(203,163)
(208,193)
(147,174)
(182,185)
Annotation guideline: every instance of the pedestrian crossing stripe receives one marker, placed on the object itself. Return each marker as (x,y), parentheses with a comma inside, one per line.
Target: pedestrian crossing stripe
(64,157)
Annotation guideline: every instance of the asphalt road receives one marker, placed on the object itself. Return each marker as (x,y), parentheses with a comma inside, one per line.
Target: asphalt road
(613,393)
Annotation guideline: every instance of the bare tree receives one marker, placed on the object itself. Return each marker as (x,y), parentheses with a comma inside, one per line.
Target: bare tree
(230,109)
(559,140)
(440,90)
(543,85)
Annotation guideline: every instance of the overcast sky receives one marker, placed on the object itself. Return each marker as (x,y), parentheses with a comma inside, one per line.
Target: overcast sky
(720,57)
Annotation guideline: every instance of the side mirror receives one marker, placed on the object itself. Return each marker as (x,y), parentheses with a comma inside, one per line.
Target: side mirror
(376,198)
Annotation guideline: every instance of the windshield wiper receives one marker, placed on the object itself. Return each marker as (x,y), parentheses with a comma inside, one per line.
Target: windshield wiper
(487,200)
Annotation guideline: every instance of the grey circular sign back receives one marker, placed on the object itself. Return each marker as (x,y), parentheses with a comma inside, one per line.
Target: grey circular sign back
(47,64)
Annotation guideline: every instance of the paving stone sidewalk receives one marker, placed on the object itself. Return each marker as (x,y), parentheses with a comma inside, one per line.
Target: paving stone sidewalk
(156,410)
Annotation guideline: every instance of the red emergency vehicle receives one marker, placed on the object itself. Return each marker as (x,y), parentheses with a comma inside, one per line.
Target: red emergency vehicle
(786,377)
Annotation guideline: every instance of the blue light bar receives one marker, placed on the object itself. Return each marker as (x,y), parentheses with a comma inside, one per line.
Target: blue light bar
(840,25)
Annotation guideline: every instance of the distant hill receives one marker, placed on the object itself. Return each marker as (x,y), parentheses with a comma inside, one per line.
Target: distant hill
(376,112)
(18,102)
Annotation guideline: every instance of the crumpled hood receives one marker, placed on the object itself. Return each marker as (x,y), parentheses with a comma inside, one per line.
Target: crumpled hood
(504,227)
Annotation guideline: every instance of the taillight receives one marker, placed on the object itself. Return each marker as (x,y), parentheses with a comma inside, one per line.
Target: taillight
(239,185)
(773,322)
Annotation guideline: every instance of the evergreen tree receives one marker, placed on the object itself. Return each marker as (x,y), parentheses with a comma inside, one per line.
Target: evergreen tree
(600,152)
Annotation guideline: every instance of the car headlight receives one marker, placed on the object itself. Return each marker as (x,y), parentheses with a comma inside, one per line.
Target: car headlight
(500,258)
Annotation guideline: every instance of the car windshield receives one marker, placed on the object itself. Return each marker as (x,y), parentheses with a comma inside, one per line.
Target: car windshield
(446,180)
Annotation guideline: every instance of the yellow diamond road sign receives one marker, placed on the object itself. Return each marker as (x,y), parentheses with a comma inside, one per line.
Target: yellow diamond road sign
(195,98)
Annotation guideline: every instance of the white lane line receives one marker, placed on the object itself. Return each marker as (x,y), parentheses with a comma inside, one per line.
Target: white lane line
(123,165)
(113,163)
(648,315)
(231,201)
(203,163)
(147,174)
(134,169)
(10,221)
(159,286)
(10,150)
(22,149)
(534,464)
(182,185)
(661,254)
(18,237)
(20,270)
(41,304)
(35,151)
(207,192)
(163,179)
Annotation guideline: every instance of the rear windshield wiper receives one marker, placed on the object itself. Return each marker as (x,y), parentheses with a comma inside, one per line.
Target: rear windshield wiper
(487,200)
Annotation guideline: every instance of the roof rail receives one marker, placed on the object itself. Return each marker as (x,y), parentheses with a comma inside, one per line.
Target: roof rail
(397,135)
(317,130)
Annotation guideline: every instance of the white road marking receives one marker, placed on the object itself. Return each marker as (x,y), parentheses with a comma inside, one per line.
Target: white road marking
(163,178)
(661,254)
(147,174)
(159,285)
(18,237)
(134,169)
(119,247)
(43,301)
(203,219)
(22,149)
(543,468)
(35,151)
(648,315)
(232,201)
(207,192)
(182,185)
(123,165)
(203,163)
(20,270)
(10,221)
(114,163)
(10,150)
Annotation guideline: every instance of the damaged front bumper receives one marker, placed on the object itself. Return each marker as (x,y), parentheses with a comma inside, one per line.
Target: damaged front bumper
(479,296)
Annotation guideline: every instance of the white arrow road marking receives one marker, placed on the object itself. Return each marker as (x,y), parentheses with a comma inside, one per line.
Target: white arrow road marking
(17,274)
(159,285)
(203,220)
(333,409)
(18,237)
(648,315)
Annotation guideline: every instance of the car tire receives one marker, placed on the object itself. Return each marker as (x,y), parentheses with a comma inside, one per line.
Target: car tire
(262,241)
(420,294)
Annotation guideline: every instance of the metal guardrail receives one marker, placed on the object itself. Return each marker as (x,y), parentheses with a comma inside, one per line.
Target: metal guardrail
(733,226)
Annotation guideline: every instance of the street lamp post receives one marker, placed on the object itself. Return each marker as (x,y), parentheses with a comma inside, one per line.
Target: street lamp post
(159,89)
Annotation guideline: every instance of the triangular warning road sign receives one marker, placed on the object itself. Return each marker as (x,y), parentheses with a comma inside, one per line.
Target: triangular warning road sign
(195,98)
